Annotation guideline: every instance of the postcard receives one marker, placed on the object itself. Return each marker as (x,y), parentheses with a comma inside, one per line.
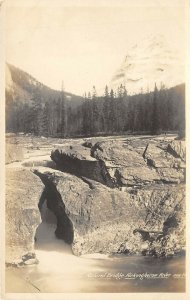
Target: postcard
(95,149)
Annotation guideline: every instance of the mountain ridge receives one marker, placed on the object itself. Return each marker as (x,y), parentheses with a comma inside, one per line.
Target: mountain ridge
(154,60)
(21,87)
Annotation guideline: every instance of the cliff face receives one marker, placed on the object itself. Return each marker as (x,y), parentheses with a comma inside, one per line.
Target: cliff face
(23,190)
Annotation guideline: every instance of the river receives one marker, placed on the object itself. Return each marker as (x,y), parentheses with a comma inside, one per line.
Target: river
(59,271)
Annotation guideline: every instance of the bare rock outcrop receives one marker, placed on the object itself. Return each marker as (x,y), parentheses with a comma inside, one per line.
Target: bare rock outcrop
(102,219)
(118,153)
(23,190)
(165,206)
(130,167)
(96,212)
(112,163)
(112,196)
(136,176)
(78,161)
(171,168)
(178,149)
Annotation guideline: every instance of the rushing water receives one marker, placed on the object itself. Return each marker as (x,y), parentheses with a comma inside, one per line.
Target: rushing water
(60,271)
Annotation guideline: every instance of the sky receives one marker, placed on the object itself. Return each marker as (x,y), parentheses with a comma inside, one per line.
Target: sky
(83,44)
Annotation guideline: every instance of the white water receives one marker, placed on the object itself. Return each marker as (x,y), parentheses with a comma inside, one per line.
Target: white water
(60,271)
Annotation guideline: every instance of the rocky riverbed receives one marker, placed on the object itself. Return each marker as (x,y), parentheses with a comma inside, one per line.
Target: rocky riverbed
(107,195)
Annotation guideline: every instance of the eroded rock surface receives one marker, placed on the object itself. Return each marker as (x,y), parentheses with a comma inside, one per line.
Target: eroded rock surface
(151,173)
(101,217)
(109,196)
(125,163)
(170,168)
(23,190)
(178,149)
(104,219)
(78,161)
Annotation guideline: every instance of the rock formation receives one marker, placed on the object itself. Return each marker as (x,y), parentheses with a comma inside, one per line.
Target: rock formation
(104,195)
(79,162)
(103,218)
(117,163)
(90,187)
(23,191)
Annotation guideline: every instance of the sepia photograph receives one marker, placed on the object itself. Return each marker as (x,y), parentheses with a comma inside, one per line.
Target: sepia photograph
(95,151)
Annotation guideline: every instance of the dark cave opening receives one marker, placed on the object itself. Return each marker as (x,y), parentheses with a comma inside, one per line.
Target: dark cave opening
(55,204)
(55,211)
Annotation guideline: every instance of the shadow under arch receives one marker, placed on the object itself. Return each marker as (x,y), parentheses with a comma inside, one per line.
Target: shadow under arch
(56,230)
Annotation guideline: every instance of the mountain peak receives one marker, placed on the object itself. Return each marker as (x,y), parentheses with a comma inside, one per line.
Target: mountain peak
(154,59)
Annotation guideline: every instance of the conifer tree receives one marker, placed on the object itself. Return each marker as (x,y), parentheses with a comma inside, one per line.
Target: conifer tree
(155,129)
(36,111)
(106,110)
(95,113)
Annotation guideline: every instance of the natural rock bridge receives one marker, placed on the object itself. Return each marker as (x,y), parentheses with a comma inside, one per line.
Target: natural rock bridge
(104,195)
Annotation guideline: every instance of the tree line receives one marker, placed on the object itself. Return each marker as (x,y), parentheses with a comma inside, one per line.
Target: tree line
(115,112)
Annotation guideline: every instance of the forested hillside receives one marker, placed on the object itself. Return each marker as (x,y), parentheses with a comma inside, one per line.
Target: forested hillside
(115,112)
(22,87)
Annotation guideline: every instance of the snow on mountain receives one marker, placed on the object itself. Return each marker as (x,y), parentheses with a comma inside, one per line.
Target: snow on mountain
(153,60)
